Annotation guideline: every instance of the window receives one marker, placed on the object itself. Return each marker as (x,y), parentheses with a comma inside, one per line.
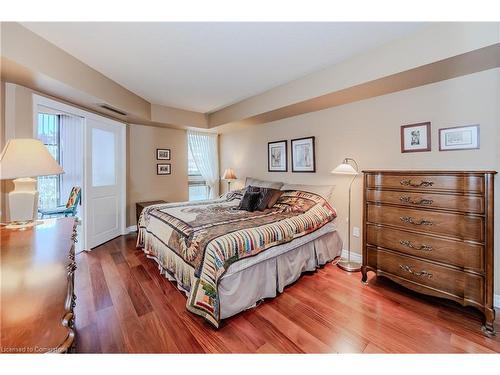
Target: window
(49,187)
(198,189)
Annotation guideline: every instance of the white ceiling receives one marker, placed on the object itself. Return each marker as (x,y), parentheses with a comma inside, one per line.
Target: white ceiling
(207,66)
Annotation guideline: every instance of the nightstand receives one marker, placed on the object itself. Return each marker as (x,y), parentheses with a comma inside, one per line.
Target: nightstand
(139,206)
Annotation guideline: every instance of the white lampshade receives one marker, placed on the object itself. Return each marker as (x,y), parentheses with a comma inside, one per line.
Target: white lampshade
(26,157)
(344,168)
(229,174)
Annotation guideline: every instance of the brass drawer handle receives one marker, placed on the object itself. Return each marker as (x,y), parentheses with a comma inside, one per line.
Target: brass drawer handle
(410,220)
(412,246)
(408,269)
(422,183)
(422,202)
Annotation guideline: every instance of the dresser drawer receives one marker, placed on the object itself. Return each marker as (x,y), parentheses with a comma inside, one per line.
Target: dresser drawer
(464,203)
(440,223)
(457,253)
(458,183)
(460,284)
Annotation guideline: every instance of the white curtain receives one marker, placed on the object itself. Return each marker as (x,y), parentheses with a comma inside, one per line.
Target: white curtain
(205,152)
(71,133)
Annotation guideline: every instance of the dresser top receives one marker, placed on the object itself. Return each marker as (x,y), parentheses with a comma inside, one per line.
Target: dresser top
(34,285)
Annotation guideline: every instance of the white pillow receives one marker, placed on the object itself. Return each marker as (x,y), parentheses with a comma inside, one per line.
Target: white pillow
(261,183)
(324,190)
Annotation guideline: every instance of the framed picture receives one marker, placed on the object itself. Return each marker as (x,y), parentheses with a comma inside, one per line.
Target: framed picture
(162,154)
(459,138)
(277,156)
(303,155)
(163,169)
(416,137)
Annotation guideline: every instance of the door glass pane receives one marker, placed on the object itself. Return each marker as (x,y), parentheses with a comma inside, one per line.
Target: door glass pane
(103,158)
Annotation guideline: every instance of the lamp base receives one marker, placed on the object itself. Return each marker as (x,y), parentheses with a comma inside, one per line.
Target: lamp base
(23,201)
(349,266)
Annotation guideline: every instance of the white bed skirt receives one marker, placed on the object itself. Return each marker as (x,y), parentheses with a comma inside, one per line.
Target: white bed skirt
(264,276)
(243,289)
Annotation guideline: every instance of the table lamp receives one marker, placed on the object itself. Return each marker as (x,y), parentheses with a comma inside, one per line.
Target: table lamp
(347,169)
(21,160)
(229,176)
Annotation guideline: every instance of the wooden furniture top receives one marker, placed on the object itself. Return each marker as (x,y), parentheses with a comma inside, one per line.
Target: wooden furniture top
(139,206)
(149,203)
(34,286)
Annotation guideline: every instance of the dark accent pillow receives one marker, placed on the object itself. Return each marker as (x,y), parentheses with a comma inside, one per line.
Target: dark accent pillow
(253,189)
(266,194)
(249,201)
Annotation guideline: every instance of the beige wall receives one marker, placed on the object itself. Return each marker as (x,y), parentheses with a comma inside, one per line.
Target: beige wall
(142,182)
(369,131)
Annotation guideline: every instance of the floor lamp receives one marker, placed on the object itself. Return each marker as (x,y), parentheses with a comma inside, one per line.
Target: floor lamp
(348,167)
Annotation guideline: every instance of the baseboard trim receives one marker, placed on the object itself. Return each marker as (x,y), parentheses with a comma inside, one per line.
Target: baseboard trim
(355,257)
(130,229)
(496,300)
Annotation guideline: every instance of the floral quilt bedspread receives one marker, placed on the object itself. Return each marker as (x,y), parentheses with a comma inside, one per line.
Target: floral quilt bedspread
(196,242)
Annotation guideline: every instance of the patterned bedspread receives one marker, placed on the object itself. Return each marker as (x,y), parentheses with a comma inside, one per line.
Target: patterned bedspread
(196,242)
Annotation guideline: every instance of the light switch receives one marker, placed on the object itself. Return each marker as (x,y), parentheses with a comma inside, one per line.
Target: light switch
(355,232)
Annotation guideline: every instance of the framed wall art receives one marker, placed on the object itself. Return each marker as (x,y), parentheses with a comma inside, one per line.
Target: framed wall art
(163,169)
(277,156)
(416,137)
(303,155)
(459,138)
(162,154)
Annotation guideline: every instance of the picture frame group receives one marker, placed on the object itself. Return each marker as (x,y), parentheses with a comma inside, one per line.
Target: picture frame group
(417,138)
(163,168)
(302,151)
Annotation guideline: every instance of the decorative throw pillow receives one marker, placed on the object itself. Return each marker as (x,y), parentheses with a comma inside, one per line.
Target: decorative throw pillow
(264,197)
(266,194)
(249,201)
(276,194)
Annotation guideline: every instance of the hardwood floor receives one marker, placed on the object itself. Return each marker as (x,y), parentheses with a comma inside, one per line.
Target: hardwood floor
(125,305)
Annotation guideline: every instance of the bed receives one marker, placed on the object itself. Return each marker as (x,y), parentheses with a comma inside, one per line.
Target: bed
(225,260)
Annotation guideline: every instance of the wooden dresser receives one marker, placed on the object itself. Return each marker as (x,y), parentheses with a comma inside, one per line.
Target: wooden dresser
(432,232)
(37,287)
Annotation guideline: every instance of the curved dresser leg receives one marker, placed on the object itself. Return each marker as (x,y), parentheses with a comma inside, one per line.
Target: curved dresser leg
(488,328)
(364,277)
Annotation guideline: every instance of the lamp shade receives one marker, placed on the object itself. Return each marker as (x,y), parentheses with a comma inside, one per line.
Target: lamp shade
(344,168)
(26,157)
(229,174)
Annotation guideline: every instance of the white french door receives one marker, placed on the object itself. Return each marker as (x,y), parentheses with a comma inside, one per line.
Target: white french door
(104,180)
(101,155)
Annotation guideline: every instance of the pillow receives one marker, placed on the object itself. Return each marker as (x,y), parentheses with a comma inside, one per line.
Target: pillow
(266,194)
(274,198)
(324,190)
(249,201)
(261,183)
